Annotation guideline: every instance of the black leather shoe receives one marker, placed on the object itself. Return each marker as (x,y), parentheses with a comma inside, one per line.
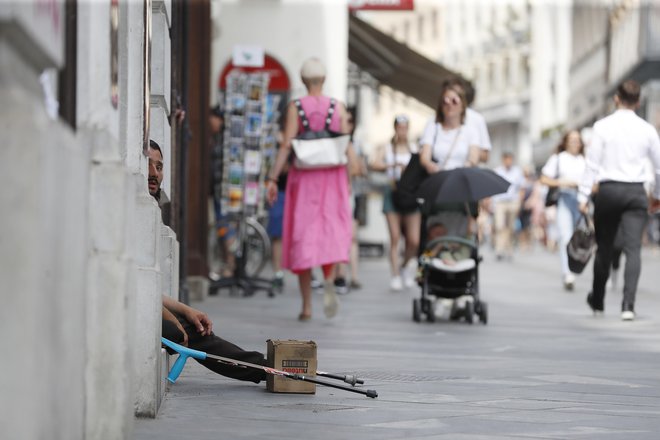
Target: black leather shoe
(594,308)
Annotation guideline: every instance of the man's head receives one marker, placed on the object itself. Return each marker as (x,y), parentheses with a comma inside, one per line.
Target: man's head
(155,168)
(507,159)
(627,94)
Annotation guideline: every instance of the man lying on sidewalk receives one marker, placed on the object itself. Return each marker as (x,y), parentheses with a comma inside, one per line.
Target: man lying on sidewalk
(190,327)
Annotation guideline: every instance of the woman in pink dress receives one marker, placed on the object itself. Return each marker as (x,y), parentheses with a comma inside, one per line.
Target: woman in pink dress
(317,227)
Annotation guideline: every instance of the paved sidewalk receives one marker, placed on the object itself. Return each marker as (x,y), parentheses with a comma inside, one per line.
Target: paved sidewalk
(543,368)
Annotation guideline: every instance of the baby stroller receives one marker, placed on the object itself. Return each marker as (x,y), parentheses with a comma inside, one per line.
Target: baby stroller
(449,261)
(449,268)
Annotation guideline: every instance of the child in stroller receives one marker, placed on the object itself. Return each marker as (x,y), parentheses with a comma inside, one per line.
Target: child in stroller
(448,268)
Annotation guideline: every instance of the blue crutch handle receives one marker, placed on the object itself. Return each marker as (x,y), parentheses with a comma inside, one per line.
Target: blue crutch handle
(184,354)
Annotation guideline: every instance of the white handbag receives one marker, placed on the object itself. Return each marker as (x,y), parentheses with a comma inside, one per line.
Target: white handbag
(319,149)
(321,153)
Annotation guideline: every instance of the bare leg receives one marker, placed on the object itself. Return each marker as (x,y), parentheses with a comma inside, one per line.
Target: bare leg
(305,282)
(394,226)
(411,224)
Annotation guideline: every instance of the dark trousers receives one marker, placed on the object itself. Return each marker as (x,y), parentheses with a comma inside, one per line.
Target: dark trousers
(213,344)
(625,204)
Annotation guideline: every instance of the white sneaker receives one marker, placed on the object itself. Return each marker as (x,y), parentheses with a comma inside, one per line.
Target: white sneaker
(408,274)
(569,281)
(330,300)
(628,315)
(396,283)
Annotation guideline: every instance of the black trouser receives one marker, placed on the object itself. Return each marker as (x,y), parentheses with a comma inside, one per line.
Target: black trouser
(213,344)
(625,204)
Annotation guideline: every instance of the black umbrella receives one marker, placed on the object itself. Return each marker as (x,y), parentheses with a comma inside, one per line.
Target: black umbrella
(461,185)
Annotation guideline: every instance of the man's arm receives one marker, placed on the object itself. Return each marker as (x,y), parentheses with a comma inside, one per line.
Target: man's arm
(199,319)
(593,158)
(168,316)
(654,155)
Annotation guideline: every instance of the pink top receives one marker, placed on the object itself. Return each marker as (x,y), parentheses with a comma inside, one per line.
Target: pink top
(316,110)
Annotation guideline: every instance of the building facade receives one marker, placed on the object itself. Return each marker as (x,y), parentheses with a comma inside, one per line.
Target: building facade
(613,42)
(515,52)
(84,256)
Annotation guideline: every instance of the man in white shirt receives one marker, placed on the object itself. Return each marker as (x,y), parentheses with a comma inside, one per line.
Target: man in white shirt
(616,156)
(506,206)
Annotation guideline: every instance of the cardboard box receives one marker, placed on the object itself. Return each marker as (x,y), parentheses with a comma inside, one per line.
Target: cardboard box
(294,357)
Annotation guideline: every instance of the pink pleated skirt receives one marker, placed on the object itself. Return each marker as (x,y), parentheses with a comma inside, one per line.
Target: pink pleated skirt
(318,224)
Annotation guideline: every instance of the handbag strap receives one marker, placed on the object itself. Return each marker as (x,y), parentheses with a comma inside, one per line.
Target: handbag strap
(303,115)
(451,149)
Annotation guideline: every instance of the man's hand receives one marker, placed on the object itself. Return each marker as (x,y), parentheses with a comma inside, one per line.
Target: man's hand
(200,320)
(185,335)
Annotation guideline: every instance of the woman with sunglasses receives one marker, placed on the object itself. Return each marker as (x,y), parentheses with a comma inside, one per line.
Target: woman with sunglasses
(447,143)
(392,159)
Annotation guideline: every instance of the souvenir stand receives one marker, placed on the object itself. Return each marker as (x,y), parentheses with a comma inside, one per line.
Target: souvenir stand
(247,138)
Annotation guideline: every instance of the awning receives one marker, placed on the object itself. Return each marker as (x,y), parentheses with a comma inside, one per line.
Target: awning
(395,64)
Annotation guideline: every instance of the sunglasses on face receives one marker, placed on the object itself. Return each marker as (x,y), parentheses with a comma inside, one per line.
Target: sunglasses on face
(454,100)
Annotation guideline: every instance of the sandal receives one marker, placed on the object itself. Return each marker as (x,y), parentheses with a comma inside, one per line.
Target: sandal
(304,317)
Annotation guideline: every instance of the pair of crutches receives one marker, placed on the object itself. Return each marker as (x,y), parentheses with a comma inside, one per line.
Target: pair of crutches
(185,353)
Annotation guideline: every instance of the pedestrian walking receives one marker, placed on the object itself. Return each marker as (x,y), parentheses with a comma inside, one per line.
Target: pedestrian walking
(563,171)
(448,143)
(616,156)
(506,206)
(392,158)
(317,228)
(475,121)
(358,199)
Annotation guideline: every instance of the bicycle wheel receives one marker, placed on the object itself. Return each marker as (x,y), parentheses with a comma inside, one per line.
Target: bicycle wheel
(257,247)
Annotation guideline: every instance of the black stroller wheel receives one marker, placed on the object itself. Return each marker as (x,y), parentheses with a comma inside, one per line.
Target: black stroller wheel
(483,313)
(417,310)
(469,312)
(430,312)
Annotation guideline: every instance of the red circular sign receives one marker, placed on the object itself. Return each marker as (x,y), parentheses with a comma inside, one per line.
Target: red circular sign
(279,80)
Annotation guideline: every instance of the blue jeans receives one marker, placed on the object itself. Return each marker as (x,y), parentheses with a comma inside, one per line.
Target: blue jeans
(568,213)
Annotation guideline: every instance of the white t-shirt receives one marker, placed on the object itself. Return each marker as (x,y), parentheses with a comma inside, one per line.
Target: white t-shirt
(516,177)
(477,123)
(462,137)
(400,158)
(570,167)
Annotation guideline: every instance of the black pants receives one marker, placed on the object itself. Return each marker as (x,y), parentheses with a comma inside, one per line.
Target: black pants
(213,344)
(625,204)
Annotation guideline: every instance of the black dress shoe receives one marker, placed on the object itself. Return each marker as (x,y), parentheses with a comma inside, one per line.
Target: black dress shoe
(594,308)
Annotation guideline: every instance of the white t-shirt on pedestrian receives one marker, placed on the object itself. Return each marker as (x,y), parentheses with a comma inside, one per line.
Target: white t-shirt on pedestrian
(399,158)
(565,166)
(441,141)
(477,123)
(516,178)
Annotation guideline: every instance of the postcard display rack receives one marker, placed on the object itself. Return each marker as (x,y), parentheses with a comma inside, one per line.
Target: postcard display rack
(248,149)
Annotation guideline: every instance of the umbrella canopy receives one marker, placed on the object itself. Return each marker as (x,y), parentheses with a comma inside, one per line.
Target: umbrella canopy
(461,185)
